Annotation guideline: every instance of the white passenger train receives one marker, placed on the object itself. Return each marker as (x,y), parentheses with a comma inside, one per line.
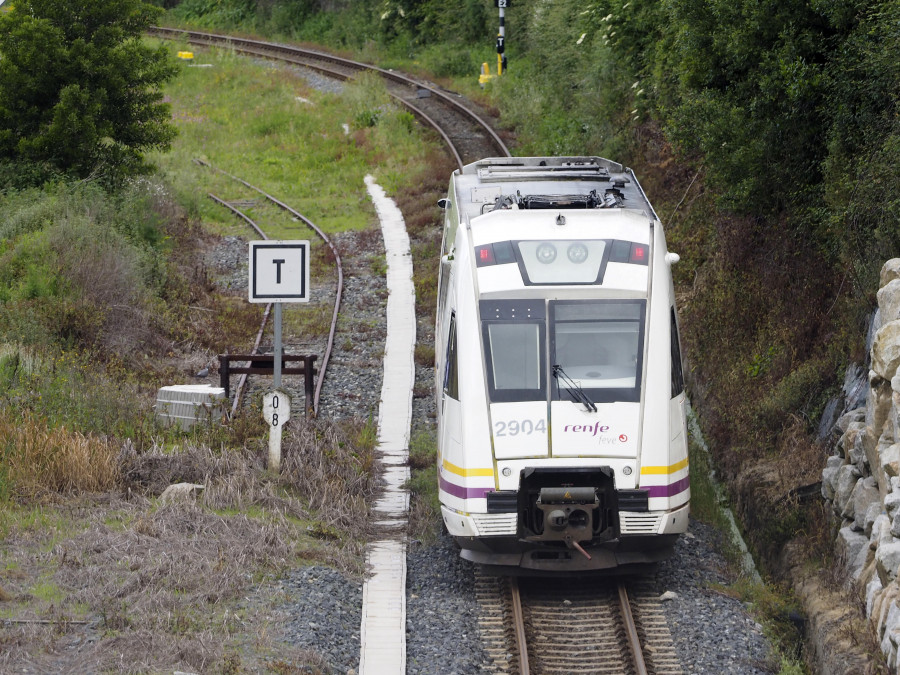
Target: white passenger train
(561,406)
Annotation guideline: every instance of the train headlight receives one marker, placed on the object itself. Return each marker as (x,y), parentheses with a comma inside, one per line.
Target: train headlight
(546,253)
(627,470)
(577,252)
(507,472)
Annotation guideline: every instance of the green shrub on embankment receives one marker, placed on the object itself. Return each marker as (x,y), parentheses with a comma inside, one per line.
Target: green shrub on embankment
(83,287)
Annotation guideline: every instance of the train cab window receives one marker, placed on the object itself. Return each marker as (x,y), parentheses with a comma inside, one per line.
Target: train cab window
(677,369)
(514,341)
(599,345)
(451,367)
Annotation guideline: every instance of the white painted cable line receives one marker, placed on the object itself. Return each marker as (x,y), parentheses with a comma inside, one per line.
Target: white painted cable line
(383,629)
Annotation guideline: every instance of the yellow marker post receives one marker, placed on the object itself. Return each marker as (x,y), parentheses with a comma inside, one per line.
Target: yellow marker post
(485,76)
(187,56)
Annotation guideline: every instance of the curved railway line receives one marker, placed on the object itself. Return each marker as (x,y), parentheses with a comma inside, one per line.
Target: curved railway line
(564,626)
(467,135)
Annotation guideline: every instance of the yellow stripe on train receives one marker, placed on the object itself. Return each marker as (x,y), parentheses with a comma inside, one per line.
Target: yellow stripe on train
(677,466)
(459,471)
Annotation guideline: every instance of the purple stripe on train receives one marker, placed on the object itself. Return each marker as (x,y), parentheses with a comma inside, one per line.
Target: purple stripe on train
(479,492)
(464,492)
(667,490)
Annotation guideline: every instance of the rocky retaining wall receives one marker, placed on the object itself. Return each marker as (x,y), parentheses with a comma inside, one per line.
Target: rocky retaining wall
(862,479)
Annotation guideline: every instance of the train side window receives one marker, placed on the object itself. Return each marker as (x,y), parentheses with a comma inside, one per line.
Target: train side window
(451,369)
(677,369)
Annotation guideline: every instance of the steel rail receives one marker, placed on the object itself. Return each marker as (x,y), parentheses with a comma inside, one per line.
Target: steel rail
(261,48)
(519,626)
(239,391)
(338,266)
(634,641)
(329,346)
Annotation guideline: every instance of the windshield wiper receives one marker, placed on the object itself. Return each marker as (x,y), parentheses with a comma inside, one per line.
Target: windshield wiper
(574,389)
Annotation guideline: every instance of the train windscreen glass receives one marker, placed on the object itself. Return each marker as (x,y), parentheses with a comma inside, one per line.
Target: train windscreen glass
(599,344)
(515,361)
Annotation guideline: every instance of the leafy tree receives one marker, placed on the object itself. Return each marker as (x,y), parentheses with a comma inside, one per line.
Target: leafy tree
(79,90)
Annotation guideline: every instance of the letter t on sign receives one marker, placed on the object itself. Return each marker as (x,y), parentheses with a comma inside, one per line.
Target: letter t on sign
(279,271)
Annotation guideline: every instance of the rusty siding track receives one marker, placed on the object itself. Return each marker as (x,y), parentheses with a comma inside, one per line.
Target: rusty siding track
(338,292)
(574,626)
(467,135)
(239,390)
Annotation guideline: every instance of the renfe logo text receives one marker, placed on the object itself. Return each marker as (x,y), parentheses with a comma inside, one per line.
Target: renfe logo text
(587,428)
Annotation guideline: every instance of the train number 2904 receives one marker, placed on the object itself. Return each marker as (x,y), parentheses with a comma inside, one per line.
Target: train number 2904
(516,427)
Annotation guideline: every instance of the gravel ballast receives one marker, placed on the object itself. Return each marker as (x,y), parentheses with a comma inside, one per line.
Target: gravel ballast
(713,632)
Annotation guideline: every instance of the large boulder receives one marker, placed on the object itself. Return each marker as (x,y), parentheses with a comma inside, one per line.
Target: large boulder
(889,301)
(875,509)
(888,629)
(830,475)
(892,503)
(865,494)
(887,561)
(889,271)
(895,526)
(848,475)
(890,459)
(886,350)
(854,548)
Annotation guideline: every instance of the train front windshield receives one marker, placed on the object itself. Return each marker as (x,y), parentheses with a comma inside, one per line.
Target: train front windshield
(597,344)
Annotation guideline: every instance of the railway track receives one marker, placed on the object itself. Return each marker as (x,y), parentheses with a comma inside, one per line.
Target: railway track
(466,133)
(339,272)
(574,626)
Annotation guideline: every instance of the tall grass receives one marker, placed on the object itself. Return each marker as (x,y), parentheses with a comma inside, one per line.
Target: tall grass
(37,459)
(68,389)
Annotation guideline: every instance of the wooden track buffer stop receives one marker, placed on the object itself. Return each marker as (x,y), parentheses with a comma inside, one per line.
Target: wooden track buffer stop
(264,364)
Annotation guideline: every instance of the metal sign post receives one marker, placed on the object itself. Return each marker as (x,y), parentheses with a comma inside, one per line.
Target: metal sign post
(279,272)
(276,368)
(501,36)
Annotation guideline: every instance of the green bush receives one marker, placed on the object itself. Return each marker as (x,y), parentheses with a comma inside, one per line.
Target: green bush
(79,90)
(78,267)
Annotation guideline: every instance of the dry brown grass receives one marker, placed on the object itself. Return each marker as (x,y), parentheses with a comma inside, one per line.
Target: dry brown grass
(148,589)
(39,460)
(335,472)
(122,583)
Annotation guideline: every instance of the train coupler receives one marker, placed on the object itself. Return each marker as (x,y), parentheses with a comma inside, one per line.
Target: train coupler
(568,506)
